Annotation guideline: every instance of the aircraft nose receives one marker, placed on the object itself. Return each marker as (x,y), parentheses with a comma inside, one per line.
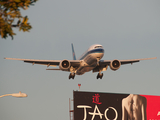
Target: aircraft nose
(102,50)
(101,53)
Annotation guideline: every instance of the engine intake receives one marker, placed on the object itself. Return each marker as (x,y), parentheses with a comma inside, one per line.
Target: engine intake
(64,65)
(115,65)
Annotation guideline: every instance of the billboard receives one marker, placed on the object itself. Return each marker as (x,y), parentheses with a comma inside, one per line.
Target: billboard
(112,106)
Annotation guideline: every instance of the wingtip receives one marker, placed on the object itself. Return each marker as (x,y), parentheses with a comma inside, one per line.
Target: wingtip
(149,58)
(154,58)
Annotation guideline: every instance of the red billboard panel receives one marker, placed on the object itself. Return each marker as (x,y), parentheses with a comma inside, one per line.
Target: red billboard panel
(111,106)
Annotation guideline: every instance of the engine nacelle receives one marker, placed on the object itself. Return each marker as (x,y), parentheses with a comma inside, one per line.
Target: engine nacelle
(64,65)
(115,65)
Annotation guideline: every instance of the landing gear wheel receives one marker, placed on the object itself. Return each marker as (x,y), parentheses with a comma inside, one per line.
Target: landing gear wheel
(71,75)
(99,75)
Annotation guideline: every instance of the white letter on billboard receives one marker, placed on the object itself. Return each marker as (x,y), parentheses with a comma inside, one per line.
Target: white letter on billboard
(114,111)
(99,113)
(84,106)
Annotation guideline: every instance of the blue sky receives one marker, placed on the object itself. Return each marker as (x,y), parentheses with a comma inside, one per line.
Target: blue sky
(126,29)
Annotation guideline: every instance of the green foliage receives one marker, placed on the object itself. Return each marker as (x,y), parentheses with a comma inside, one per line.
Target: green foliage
(10,13)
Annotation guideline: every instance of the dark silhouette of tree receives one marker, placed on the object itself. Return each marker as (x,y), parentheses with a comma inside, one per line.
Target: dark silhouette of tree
(10,16)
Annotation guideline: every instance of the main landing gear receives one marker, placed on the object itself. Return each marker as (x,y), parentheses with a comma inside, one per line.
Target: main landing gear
(100,75)
(72,75)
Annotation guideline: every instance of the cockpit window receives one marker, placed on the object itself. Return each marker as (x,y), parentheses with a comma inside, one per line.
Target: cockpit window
(98,47)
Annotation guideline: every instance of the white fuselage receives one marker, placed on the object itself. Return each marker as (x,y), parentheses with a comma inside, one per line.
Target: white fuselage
(90,59)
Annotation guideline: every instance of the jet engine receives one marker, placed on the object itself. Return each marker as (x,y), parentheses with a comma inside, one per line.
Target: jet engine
(64,65)
(115,65)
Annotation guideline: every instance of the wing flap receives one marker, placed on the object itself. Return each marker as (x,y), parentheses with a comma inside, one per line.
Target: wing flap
(104,62)
(53,63)
(53,69)
(75,63)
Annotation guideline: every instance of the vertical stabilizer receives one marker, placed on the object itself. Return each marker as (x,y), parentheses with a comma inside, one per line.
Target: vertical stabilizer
(74,56)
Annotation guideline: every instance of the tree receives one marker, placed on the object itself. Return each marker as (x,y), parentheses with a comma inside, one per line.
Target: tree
(10,16)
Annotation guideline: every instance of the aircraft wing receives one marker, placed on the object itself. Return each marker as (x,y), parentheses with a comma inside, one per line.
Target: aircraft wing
(107,62)
(48,63)
(103,64)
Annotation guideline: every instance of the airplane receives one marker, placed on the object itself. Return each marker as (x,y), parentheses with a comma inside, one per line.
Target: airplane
(90,60)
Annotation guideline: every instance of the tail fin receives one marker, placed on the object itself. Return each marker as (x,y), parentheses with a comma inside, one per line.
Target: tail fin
(74,56)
